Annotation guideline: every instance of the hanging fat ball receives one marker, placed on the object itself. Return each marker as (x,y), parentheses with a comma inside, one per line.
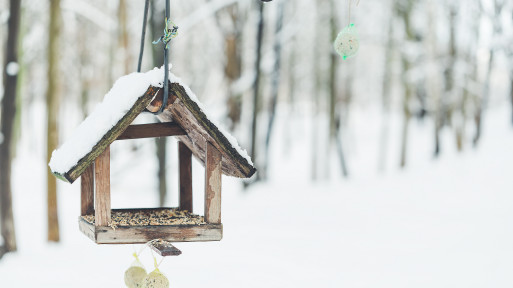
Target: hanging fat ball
(155,280)
(135,274)
(347,42)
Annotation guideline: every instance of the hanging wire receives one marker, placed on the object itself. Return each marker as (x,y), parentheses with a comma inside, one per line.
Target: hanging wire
(166,38)
(349,13)
(169,33)
(143,34)
(166,64)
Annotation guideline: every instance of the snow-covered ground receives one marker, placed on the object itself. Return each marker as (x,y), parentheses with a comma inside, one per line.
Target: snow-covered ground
(438,223)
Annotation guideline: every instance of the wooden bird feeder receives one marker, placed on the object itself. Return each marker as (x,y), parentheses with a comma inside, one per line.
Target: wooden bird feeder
(197,135)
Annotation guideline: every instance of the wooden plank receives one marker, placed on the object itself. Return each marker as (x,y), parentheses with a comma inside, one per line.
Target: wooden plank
(152,130)
(213,175)
(110,136)
(143,234)
(191,118)
(185,162)
(87,191)
(164,248)
(87,228)
(102,180)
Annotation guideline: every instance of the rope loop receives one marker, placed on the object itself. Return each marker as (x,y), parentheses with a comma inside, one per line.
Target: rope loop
(169,33)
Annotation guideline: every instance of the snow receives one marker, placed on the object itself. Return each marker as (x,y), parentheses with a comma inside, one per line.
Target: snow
(232,140)
(12,68)
(439,223)
(115,105)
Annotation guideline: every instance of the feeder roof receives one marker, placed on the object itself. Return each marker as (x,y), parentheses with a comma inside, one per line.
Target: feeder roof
(131,95)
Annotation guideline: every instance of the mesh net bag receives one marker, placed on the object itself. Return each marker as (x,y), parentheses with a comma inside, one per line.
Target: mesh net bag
(155,280)
(347,42)
(135,274)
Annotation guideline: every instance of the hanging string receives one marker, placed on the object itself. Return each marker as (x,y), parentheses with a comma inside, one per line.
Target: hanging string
(166,38)
(157,265)
(143,34)
(170,32)
(166,69)
(349,13)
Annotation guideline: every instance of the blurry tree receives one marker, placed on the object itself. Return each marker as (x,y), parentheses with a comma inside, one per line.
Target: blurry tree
(446,108)
(404,9)
(335,115)
(124,37)
(470,57)
(319,83)
(256,83)
(385,94)
(230,21)
(482,102)
(52,102)
(275,83)
(8,110)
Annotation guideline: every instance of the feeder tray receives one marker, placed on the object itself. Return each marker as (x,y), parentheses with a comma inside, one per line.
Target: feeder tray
(143,225)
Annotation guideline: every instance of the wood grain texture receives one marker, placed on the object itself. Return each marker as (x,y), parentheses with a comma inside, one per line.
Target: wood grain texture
(102,181)
(151,130)
(199,129)
(87,228)
(143,234)
(213,175)
(185,162)
(87,191)
(164,248)
(109,137)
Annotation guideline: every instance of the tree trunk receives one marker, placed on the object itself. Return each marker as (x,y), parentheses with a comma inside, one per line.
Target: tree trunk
(8,114)
(123,36)
(511,97)
(275,84)
(478,117)
(233,66)
(482,104)
(335,133)
(450,87)
(404,10)
(156,21)
(387,87)
(52,102)
(256,84)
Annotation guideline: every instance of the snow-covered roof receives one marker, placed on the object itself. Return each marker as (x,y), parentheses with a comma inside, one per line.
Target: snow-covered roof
(89,139)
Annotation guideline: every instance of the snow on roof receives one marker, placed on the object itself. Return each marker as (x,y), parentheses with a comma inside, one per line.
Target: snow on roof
(227,135)
(116,103)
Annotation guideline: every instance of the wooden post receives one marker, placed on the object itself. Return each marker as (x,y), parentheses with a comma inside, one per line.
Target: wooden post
(185,157)
(102,179)
(213,174)
(87,191)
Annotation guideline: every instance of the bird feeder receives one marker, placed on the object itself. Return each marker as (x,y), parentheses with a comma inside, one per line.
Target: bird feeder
(198,136)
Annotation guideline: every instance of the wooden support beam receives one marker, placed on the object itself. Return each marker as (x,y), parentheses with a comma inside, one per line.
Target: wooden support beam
(213,172)
(87,191)
(151,130)
(185,162)
(102,179)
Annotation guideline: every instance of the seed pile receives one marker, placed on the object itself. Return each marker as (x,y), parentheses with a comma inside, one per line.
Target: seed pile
(151,217)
